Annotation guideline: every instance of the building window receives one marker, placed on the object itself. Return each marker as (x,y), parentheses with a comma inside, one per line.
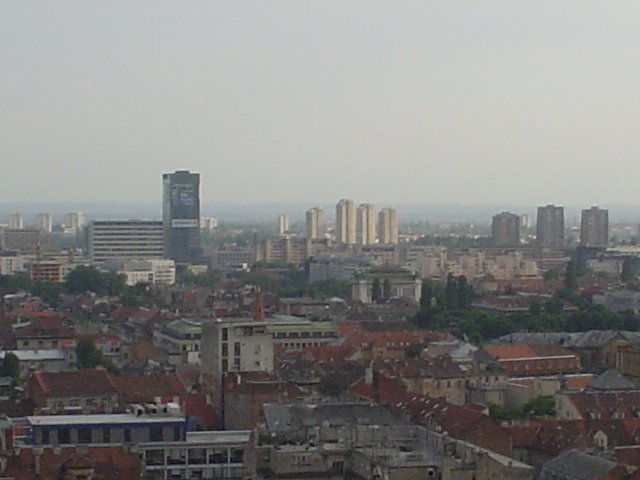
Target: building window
(127,435)
(45,437)
(106,435)
(225,349)
(177,434)
(225,334)
(155,434)
(236,349)
(236,363)
(64,436)
(84,435)
(225,365)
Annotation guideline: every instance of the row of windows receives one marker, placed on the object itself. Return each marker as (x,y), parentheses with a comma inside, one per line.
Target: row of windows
(540,365)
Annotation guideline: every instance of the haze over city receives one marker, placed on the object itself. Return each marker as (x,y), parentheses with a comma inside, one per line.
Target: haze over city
(492,102)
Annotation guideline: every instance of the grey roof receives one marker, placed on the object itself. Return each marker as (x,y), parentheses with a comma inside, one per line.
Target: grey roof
(576,465)
(287,417)
(611,380)
(590,339)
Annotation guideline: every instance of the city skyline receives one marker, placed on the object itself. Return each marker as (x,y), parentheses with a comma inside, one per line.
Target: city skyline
(261,96)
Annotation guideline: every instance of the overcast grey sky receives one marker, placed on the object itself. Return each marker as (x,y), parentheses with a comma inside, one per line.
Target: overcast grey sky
(388,101)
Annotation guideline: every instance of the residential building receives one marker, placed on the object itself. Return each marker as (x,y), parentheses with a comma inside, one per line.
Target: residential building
(154,271)
(287,249)
(124,239)
(236,345)
(181,339)
(11,263)
(345,222)
(594,228)
(86,391)
(45,271)
(283,223)
(16,221)
(315,223)
(75,221)
(550,226)
(534,360)
(208,224)
(388,226)
(181,216)
(366,224)
(26,240)
(505,230)
(45,223)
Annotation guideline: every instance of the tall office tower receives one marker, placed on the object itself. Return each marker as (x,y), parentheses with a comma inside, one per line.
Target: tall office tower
(594,228)
(525,221)
(16,221)
(283,224)
(366,224)
(45,224)
(316,223)
(75,221)
(505,230)
(181,216)
(388,226)
(123,240)
(550,226)
(208,224)
(346,222)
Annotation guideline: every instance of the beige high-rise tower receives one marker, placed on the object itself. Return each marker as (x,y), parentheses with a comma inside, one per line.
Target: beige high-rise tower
(316,223)
(283,224)
(388,226)
(346,222)
(366,224)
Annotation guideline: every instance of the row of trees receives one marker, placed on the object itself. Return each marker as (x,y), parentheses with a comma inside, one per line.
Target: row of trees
(81,279)
(448,307)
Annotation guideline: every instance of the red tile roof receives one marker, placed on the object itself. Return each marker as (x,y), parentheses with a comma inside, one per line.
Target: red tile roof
(523,351)
(76,383)
(148,388)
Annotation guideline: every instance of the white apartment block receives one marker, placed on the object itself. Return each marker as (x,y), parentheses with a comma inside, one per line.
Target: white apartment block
(388,226)
(124,239)
(366,224)
(315,223)
(346,222)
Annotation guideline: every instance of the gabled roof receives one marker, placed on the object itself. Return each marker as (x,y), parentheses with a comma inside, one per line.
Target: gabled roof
(77,383)
(576,465)
(146,388)
(611,380)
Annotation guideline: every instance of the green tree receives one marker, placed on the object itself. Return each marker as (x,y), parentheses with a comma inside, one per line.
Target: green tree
(376,294)
(89,356)
(426,295)
(90,279)
(386,289)
(626,275)
(571,276)
(541,405)
(10,366)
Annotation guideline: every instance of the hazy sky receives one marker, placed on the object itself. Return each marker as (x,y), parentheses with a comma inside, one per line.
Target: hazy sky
(473,101)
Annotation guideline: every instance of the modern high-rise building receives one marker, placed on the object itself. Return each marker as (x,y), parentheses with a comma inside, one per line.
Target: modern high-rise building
(346,222)
(123,240)
(388,226)
(283,224)
(505,230)
(16,221)
(366,224)
(525,222)
(550,226)
(315,223)
(75,221)
(594,228)
(181,216)
(45,224)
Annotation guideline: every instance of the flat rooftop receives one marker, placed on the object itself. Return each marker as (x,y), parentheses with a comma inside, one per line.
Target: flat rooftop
(111,419)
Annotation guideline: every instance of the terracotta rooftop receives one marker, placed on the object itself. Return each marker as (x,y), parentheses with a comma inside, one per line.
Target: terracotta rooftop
(75,383)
